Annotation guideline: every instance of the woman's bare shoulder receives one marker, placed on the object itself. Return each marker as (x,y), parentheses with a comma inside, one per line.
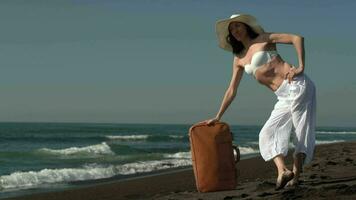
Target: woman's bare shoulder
(238,60)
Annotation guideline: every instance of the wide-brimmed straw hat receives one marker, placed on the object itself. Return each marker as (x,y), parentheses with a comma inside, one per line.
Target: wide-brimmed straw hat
(222,28)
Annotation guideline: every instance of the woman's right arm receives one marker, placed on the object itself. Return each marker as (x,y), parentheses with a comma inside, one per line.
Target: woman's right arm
(237,72)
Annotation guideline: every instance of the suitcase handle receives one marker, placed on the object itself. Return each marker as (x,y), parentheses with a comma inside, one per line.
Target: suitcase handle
(236,149)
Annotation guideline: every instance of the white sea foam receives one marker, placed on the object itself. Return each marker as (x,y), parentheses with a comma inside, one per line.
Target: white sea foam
(30,179)
(337,132)
(98,149)
(176,136)
(186,155)
(291,145)
(148,166)
(127,137)
(254,143)
(247,150)
(138,137)
(328,141)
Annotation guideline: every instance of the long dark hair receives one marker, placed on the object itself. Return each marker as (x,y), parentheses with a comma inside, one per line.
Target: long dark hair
(237,46)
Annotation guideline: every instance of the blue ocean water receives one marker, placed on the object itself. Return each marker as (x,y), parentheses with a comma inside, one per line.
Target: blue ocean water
(38,156)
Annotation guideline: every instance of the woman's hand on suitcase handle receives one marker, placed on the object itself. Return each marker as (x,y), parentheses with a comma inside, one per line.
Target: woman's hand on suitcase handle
(212,121)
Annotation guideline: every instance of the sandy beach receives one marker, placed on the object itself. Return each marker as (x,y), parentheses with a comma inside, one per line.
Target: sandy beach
(331,175)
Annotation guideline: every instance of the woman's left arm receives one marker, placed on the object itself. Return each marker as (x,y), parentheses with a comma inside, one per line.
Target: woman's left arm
(298,43)
(296,40)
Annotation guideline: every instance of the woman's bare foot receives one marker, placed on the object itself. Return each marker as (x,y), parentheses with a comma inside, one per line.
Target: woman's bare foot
(292,183)
(295,181)
(297,169)
(283,179)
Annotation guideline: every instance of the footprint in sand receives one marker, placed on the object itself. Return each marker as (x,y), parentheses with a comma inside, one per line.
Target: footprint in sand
(239,188)
(335,187)
(230,197)
(348,160)
(243,195)
(265,185)
(316,165)
(265,194)
(346,150)
(324,177)
(313,176)
(331,163)
(349,190)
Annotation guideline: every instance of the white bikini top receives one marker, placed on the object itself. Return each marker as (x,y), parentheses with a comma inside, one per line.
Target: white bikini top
(259,58)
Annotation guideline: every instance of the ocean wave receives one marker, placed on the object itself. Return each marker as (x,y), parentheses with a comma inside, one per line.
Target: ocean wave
(49,138)
(144,137)
(337,132)
(98,149)
(148,166)
(31,179)
(176,136)
(247,150)
(253,143)
(186,155)
(291,145)
(127,137)
(328,141)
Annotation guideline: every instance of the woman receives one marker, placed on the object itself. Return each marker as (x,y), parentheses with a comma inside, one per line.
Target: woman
(255,52)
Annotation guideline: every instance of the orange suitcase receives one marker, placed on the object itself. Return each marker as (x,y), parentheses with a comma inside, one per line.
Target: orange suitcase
(213,159)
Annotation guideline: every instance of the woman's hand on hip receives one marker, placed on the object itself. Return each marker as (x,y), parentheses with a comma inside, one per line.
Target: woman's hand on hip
(292,73)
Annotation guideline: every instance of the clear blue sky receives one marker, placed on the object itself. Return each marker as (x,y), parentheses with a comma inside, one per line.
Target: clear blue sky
(158,61)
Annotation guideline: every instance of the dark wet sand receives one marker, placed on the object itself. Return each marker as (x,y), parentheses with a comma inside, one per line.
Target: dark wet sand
(331,175)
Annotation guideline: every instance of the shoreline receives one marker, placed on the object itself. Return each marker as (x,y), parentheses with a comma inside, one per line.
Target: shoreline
(330,161)
(59,187)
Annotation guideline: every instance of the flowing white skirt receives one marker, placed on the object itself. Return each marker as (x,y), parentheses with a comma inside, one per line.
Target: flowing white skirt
(294,112)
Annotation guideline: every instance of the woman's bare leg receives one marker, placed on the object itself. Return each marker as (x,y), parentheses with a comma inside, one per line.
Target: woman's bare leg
(297,168)
(281,167)
(279,161)
(284,174)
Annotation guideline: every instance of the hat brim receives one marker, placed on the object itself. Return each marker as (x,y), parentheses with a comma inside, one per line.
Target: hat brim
(221,28)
